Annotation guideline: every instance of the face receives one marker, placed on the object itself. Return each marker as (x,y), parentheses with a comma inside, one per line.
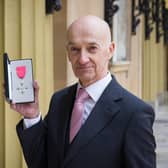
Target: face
(89,54)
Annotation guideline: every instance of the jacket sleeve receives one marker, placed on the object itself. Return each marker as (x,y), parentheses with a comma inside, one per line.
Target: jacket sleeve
(33,142)
(140,144)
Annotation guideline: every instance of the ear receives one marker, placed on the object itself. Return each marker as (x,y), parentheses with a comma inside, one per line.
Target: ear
(69,59)
(111,49)
(67,53)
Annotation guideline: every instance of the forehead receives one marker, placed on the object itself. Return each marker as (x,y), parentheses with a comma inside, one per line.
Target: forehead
(83,34)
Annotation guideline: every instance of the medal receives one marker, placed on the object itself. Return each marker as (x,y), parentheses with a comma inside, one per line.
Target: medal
(21,71)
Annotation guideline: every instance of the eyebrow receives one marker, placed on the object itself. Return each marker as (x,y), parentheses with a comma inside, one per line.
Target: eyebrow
(94,43)
(90,43)
(70,43)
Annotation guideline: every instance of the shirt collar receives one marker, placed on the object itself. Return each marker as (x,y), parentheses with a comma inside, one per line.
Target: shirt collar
(96,89)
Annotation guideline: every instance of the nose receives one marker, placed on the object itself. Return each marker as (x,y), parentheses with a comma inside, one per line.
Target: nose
(84,57)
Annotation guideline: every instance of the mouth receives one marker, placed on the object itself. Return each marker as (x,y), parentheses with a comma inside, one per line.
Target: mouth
(84,68)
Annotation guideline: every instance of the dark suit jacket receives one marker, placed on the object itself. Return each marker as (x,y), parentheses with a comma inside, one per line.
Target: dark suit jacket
(117,134)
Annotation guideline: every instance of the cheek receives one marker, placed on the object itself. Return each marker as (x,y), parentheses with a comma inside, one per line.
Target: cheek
(72,61)
(101,63)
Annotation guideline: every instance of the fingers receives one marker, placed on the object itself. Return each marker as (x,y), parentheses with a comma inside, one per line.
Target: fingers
(28,110)
(35,84)
(36,89)
(13,106)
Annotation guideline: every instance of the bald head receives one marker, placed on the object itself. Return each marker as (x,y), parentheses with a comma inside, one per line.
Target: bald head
(90,25)
(89,48)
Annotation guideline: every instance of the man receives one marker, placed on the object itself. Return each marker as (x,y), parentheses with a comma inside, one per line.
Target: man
(116,127)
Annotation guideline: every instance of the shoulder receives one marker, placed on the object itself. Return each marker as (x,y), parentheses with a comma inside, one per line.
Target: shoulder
(129,102)
(129,98)
(139,112)
(135,102)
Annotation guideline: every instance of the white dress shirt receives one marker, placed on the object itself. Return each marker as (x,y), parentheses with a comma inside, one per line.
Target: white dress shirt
(94,90)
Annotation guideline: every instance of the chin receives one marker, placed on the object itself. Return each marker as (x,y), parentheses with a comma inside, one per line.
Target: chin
(87,80)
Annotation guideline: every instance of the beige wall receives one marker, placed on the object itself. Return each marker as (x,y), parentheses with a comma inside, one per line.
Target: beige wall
(157,78)
(60,59)
(25,32)
(1,93)
(129,72)
(154,67)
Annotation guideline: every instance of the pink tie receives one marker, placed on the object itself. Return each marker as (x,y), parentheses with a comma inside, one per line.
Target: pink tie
(77,113)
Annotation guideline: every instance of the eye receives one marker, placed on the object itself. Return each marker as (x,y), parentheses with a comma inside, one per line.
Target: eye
(74,50)
(93,49)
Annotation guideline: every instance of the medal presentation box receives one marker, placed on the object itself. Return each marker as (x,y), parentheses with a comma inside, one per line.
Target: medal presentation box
(18,75)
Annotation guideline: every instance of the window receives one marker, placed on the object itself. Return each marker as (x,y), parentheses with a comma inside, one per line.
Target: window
(121,32)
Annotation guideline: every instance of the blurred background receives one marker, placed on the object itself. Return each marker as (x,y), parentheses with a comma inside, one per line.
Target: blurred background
(37,29)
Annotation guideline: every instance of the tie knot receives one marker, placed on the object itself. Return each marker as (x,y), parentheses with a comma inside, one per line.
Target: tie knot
(82,95)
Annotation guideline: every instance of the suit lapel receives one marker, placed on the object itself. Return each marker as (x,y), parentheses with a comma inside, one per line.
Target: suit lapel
(103,112)
(66,108)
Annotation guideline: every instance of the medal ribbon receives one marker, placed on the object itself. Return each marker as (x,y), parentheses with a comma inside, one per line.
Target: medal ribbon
(21,71)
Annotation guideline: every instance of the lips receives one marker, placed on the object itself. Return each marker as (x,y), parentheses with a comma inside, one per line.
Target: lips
(84,67)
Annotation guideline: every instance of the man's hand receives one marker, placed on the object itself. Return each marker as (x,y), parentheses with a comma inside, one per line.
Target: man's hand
(29,110)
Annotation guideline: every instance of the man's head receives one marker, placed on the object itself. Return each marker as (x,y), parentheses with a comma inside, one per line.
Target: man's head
(89,48)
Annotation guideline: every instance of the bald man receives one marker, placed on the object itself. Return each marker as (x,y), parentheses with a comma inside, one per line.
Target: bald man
(111,129)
